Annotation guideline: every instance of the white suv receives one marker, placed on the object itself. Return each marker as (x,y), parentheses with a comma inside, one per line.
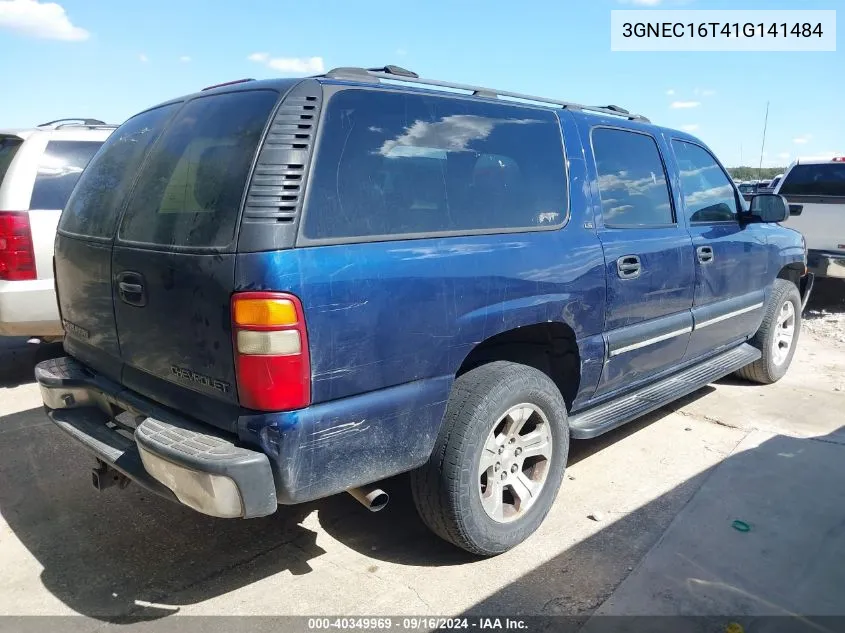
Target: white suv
(38,169)
(815,190)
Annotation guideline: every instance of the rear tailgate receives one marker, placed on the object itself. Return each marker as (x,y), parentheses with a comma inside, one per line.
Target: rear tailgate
(173,266)
(83,251)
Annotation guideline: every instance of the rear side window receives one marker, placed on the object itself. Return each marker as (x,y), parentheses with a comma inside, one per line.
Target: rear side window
(190,190)
(95,203)
(708,193)
(59,169)
(8,148)
(827,179)
(632,180)
(394,163)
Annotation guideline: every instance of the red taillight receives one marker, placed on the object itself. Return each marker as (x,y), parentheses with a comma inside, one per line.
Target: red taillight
(17,254)
(271,351)
(839,159)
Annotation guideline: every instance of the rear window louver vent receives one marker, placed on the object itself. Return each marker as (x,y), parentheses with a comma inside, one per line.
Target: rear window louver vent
(277,188)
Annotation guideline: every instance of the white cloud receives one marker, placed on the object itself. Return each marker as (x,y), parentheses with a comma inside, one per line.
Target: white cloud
(685,104)
(143,58)
(704,92)
(802,140)
(185,59)
(46,20)
(297,65)
(784,155)
(690,127)
(670,92)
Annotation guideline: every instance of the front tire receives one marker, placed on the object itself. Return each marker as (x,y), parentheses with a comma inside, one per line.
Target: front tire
(498,461)
(778,335)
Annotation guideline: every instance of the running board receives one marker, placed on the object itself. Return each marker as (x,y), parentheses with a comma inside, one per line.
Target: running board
(607,416)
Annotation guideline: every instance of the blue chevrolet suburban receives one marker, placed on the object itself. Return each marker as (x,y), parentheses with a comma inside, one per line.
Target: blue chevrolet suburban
(275,291)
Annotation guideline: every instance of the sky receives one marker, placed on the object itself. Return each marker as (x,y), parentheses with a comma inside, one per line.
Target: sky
(109,60)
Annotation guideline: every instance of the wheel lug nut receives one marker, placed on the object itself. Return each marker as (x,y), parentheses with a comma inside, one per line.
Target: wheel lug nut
(504,476)
(518,451)
(513,468)
(512,440)
(497,467)
(501,450)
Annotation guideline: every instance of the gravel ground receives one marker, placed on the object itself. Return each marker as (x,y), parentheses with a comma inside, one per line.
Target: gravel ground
(825,315)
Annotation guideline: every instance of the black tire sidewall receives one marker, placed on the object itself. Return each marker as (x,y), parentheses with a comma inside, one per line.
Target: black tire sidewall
(783,292)
(520,384)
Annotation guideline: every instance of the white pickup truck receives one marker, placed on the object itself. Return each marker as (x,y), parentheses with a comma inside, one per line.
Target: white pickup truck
(815,190)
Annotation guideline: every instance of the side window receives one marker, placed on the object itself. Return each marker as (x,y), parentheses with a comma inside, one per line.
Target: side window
(59,169)
(708,193)
(405,164)
(632,180)
(96,201)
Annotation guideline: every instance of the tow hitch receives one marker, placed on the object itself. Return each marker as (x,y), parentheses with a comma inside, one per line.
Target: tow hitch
(104,476)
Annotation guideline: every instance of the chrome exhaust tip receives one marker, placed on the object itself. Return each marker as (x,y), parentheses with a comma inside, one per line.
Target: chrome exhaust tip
(371,497)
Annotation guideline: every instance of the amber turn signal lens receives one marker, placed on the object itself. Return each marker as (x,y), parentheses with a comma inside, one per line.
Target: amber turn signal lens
(264,312)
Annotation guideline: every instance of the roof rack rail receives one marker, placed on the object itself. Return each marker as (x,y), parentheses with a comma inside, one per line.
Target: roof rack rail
(397,73)
(79,120)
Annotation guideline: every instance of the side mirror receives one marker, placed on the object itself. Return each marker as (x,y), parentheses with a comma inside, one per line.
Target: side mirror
(768,207)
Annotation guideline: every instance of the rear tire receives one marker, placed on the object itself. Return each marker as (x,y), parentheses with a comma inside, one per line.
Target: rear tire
(498,461)
(778,335)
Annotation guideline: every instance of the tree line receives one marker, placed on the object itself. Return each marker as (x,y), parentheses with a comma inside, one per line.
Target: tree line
(753,173)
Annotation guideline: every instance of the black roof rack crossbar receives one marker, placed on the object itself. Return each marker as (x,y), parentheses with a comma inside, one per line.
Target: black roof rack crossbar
(396,73)
(82,120)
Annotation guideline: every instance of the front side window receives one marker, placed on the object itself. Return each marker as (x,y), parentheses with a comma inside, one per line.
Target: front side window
(59,169)
(394,163)
(632,180)
(825,179)
(707,191)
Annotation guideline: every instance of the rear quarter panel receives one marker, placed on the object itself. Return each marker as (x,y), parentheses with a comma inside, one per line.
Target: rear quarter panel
(385,313)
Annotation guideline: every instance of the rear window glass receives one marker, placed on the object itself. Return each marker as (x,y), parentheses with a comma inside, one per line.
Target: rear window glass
(191,187)
(8,148)
(827,179)
(96,201)
(407,164)
(59,169)
(632,180)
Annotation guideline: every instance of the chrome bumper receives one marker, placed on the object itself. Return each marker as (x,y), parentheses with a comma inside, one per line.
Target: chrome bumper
(163,452)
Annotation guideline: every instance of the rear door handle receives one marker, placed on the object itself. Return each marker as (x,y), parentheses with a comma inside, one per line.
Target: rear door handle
(705,254)
(130,288)
(628,267)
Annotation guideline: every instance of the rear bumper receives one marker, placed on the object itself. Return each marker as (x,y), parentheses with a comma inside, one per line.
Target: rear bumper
(826,264)
(166,454)
(28,308)
(304,455)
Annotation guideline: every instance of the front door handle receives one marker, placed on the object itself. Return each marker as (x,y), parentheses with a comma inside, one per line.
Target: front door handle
(130,288)
(628,267)
(705,254)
